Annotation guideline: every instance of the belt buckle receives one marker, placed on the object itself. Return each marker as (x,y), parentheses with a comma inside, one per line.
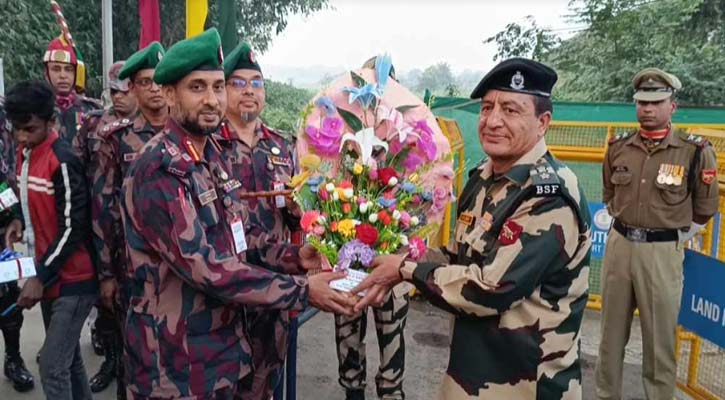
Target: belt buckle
(637,234)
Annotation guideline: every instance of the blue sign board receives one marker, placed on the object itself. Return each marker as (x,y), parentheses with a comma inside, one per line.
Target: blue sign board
(703,299)
(601,220)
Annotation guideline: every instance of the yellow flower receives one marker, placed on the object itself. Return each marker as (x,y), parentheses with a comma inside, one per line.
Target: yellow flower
(311,161)
(357,169)
(346,227)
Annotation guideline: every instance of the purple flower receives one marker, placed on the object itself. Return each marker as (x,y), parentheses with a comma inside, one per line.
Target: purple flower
(412,161)
(325,103)
(326,140)
(425,141)
(353,252)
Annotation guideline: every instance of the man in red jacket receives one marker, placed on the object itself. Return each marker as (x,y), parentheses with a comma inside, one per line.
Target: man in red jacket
(54,203)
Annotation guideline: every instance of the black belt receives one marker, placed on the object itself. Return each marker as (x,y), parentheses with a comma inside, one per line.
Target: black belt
(645,235)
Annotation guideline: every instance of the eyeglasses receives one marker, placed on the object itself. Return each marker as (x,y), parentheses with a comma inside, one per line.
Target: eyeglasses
(242,83)
(144,83)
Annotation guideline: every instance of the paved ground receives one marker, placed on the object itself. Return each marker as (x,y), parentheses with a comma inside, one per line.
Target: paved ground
(427,341)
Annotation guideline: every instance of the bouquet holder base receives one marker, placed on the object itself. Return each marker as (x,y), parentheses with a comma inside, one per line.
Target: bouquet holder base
(353,278)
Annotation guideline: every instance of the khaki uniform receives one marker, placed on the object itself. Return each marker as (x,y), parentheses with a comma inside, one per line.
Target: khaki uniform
(516,282)
(659,188)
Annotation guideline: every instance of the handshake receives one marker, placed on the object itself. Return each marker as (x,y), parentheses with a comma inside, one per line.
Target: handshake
(385,275)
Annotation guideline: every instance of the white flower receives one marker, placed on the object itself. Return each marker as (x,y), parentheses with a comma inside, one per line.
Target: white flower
(403,240)
(356,222)
(366,141)
(396,215)
(414,221)
(335,196)
(321,219)
(364,207)
(348,193)
(373,218)
(330,187)
(393,181)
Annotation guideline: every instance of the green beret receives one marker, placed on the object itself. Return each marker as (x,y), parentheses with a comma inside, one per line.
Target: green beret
(242,57)
(203,51)
(146,58)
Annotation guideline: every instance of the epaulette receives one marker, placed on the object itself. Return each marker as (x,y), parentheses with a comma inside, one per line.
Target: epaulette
(175,161)
(696,140)
(544,179)
(117,125)
(94,102)
(620,136)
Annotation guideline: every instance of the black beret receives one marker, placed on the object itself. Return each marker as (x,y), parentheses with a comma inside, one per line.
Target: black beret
(519,75)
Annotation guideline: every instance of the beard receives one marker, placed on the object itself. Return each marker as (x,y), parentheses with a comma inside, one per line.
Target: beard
(249,116)
(192,125)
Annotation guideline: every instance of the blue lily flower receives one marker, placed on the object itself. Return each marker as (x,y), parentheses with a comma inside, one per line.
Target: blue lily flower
(365,95)
(327,105)
(383,65)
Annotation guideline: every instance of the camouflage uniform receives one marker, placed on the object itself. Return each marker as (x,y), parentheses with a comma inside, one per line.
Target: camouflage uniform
(113,145)
(93,121)
(258,168)
(517,282)
(73,109)
(350,339)
(185,327)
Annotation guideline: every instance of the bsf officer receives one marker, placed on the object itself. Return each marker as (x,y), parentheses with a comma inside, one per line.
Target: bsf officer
(660,185)
(516,273)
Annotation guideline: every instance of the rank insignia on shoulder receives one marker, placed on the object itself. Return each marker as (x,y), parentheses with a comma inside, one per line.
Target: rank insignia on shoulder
(708,176)
(173,151)
(176,171)
(510,232)
(128,157)
(697,140)
(465,219)
(545,180)
(620,136)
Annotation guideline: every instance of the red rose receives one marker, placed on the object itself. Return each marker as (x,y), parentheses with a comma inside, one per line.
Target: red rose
(384,217)
(346,208)
(386,174)
(367,234)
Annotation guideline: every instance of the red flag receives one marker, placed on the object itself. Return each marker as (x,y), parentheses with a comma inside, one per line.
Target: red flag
(148,12)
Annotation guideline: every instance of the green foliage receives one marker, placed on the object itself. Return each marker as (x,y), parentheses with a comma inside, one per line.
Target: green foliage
(284,103)
(684,37)
(523,40)
(23,44)
(438,78)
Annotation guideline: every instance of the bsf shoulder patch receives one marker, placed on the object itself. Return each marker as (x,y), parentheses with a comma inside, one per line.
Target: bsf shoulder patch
(545,180)
(510,232)
(708,176)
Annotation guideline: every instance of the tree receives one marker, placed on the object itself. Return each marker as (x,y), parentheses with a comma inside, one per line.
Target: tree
(684,37)
(437,78)
(22,45)
(284,104)
(523,40)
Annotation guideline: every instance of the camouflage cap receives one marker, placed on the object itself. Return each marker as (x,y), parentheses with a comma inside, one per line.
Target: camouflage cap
(113,82)
(242,57)
(146,58)
(203,51)
(519,75)
(654,84)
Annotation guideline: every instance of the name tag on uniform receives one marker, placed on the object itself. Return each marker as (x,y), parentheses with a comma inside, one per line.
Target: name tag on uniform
(207,197)
(128,157)
(465,219)
(279,201)
(240,241)
(283,161)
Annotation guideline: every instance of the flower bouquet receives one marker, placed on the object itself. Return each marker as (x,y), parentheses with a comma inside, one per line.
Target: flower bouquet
(376,172)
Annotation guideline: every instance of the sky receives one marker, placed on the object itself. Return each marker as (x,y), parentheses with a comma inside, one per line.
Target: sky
(417,34)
